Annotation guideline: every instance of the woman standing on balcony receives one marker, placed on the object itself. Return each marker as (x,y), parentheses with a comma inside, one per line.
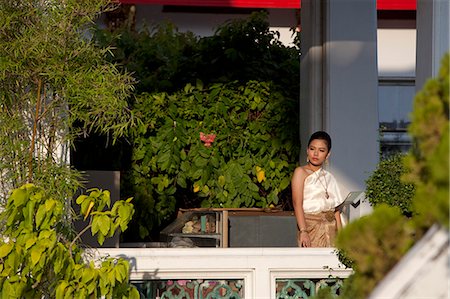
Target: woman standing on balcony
(316,196)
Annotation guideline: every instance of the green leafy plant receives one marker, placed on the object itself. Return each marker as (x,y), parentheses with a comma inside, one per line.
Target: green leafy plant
(429,159)
(55,84)
(218,146)
(385,185)
(374,244)
(163,59)
(37,260)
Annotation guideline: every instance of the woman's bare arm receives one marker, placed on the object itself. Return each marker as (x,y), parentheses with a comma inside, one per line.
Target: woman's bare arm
(297,185)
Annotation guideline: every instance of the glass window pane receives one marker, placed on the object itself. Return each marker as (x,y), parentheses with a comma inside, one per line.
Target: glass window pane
(395,105)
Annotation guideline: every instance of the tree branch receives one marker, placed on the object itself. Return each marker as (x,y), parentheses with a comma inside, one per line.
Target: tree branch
(79,236)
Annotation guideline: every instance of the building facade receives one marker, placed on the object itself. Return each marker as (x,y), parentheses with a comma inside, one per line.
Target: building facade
(357,68)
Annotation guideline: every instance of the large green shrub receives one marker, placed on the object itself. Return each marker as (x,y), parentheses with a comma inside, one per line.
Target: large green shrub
(39,260)
(385,185)
(429,159)
(218,146)
(163,59)
(159,57)
(374,244)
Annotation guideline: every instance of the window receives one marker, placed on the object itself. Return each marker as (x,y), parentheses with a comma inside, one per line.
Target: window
(395,103)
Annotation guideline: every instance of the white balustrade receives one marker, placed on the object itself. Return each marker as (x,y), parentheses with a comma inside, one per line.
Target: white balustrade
(257,267)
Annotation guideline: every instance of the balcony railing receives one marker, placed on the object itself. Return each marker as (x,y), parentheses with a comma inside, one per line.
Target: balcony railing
(249,273)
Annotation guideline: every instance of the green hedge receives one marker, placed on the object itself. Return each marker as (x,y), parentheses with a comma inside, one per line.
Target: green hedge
(385,185)
(220,146)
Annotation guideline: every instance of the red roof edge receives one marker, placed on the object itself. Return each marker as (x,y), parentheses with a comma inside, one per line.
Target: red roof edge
(295,4)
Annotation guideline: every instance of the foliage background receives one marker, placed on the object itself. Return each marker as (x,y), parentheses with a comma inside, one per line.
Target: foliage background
(248,164)
(236,84)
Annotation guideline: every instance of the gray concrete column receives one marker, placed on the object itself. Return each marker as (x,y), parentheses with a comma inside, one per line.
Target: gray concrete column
(432,38)
(339,84)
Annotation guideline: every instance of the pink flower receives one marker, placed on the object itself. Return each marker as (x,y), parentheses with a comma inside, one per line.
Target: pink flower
(207,139)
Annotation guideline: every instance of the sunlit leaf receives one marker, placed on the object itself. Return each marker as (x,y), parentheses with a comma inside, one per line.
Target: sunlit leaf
(5,249)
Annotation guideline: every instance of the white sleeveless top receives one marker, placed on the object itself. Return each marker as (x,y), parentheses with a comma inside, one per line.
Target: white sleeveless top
(316,185)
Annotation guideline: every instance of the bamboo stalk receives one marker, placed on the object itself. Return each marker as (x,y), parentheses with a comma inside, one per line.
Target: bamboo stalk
(33,136)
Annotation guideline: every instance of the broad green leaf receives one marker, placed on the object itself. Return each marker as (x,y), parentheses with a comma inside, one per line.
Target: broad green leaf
(19,197)
(81,293)
(95,225)
(134,293)
(91,287)
(205,189)
(253,187)
(40,215)
(47,234)
(104,224)
(221,181)
(68,294)
(183,155)
(272,164)
(120,273)
(28,213)
(81,198)
(181,180)
(30,242)
(105,199)
(50,204)
(88,275)
(164,157)
(200,162)
(5,249)
(284,183)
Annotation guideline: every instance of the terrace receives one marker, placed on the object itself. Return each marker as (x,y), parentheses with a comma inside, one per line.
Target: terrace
(263,270)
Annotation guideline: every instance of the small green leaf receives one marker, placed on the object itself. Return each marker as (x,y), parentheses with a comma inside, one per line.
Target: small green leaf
(36,253)
(88,275)
(19,197)
(40,215)
(30,242)
(68,294)
(134,293)
(81,198)
(284,183)
(181,180)
(5,249)
(50,204)
(183,155)
(104,223)
(95,226)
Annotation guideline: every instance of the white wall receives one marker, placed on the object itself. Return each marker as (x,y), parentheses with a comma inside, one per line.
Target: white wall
(205,24)
(396,52)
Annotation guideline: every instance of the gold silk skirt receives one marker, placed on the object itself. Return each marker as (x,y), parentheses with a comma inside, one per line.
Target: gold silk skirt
(321,229)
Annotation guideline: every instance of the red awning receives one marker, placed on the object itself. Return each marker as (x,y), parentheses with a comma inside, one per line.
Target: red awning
(396,4)
(381,4)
